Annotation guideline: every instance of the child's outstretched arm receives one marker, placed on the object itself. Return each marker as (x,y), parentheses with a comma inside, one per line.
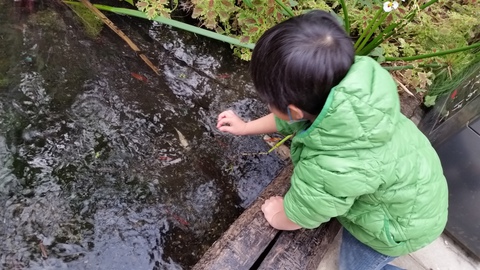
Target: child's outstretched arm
(229,122)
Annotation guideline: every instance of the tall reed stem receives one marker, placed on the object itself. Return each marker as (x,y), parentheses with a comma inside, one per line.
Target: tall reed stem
(391,29)
(367,30)
(375,27)
(285,8)
(428,55)
(346,20)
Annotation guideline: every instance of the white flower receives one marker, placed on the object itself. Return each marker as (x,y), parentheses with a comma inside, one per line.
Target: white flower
(390,5)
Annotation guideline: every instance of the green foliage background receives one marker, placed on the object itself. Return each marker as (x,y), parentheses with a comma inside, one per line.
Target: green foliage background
(443,25)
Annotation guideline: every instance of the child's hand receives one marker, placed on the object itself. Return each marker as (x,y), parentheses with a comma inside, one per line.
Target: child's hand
(275,214)
(271,207)
(229,122)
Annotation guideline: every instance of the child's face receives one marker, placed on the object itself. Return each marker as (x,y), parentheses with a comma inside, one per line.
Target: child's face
(294,114)
(278,113)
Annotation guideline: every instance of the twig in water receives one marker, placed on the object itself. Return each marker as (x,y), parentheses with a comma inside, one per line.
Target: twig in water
(120,33)
(280,143)
(254,153)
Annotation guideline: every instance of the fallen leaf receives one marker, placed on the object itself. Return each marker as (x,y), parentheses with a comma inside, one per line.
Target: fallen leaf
(175,161)
(43,250)
(272,139)
(183,142)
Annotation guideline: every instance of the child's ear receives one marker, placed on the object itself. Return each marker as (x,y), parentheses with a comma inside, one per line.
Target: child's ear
(296,112)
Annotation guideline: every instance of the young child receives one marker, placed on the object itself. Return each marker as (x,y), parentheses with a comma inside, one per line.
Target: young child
(356,156)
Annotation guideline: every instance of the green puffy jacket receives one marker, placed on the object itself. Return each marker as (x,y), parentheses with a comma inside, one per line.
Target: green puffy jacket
(365,163)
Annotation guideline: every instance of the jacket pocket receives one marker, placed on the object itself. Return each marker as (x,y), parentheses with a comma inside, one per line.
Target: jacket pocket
(388,234)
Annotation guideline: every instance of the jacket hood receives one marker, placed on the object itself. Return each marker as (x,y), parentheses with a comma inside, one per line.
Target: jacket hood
(360,112)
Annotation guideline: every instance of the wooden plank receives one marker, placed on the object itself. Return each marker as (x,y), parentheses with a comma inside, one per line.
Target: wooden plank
(302,250)
(246,239)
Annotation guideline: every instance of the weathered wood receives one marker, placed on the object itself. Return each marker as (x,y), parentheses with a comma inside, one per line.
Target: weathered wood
(241,246)
(301,250)
(246,239)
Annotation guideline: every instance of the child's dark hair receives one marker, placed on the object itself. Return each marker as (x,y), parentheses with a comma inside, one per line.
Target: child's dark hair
(300,60)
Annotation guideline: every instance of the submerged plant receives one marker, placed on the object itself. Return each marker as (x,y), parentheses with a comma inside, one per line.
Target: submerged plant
(91,23)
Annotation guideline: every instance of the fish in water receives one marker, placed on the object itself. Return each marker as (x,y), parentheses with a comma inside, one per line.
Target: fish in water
(183,142)
(139,77)
(223,76)
(179,219)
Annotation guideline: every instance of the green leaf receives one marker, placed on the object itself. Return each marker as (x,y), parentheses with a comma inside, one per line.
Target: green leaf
(293,3)
(378,51)
(365,3)
(197,11)
(430,100)
(250,21)
(223,16)
(285,8)
(151,12)
(379,54)
(253,30)
(420,90)
(227,3)
(248,3)
(142,5)
(245,39)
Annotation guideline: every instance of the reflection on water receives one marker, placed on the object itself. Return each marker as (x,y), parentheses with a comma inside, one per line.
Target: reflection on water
(94,168)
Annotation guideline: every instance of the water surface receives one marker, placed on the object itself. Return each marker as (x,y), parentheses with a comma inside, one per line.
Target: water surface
(95,170)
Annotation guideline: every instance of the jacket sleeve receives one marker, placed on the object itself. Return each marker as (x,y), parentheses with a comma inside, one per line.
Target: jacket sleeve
(308,203)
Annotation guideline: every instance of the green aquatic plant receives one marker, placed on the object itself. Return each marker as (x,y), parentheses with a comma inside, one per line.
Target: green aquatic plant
(91,23)
(173,23)
(4,81)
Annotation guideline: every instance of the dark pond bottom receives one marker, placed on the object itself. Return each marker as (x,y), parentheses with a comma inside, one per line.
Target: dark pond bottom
(101,170)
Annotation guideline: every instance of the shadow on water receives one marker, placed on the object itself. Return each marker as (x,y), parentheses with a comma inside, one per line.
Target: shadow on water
(99,170)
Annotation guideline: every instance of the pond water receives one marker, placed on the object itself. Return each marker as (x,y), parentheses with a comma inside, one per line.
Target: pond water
(101,170)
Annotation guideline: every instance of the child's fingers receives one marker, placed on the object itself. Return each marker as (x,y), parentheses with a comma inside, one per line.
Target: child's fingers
(225,114)
(223,122)
(221,115)
(228,129)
